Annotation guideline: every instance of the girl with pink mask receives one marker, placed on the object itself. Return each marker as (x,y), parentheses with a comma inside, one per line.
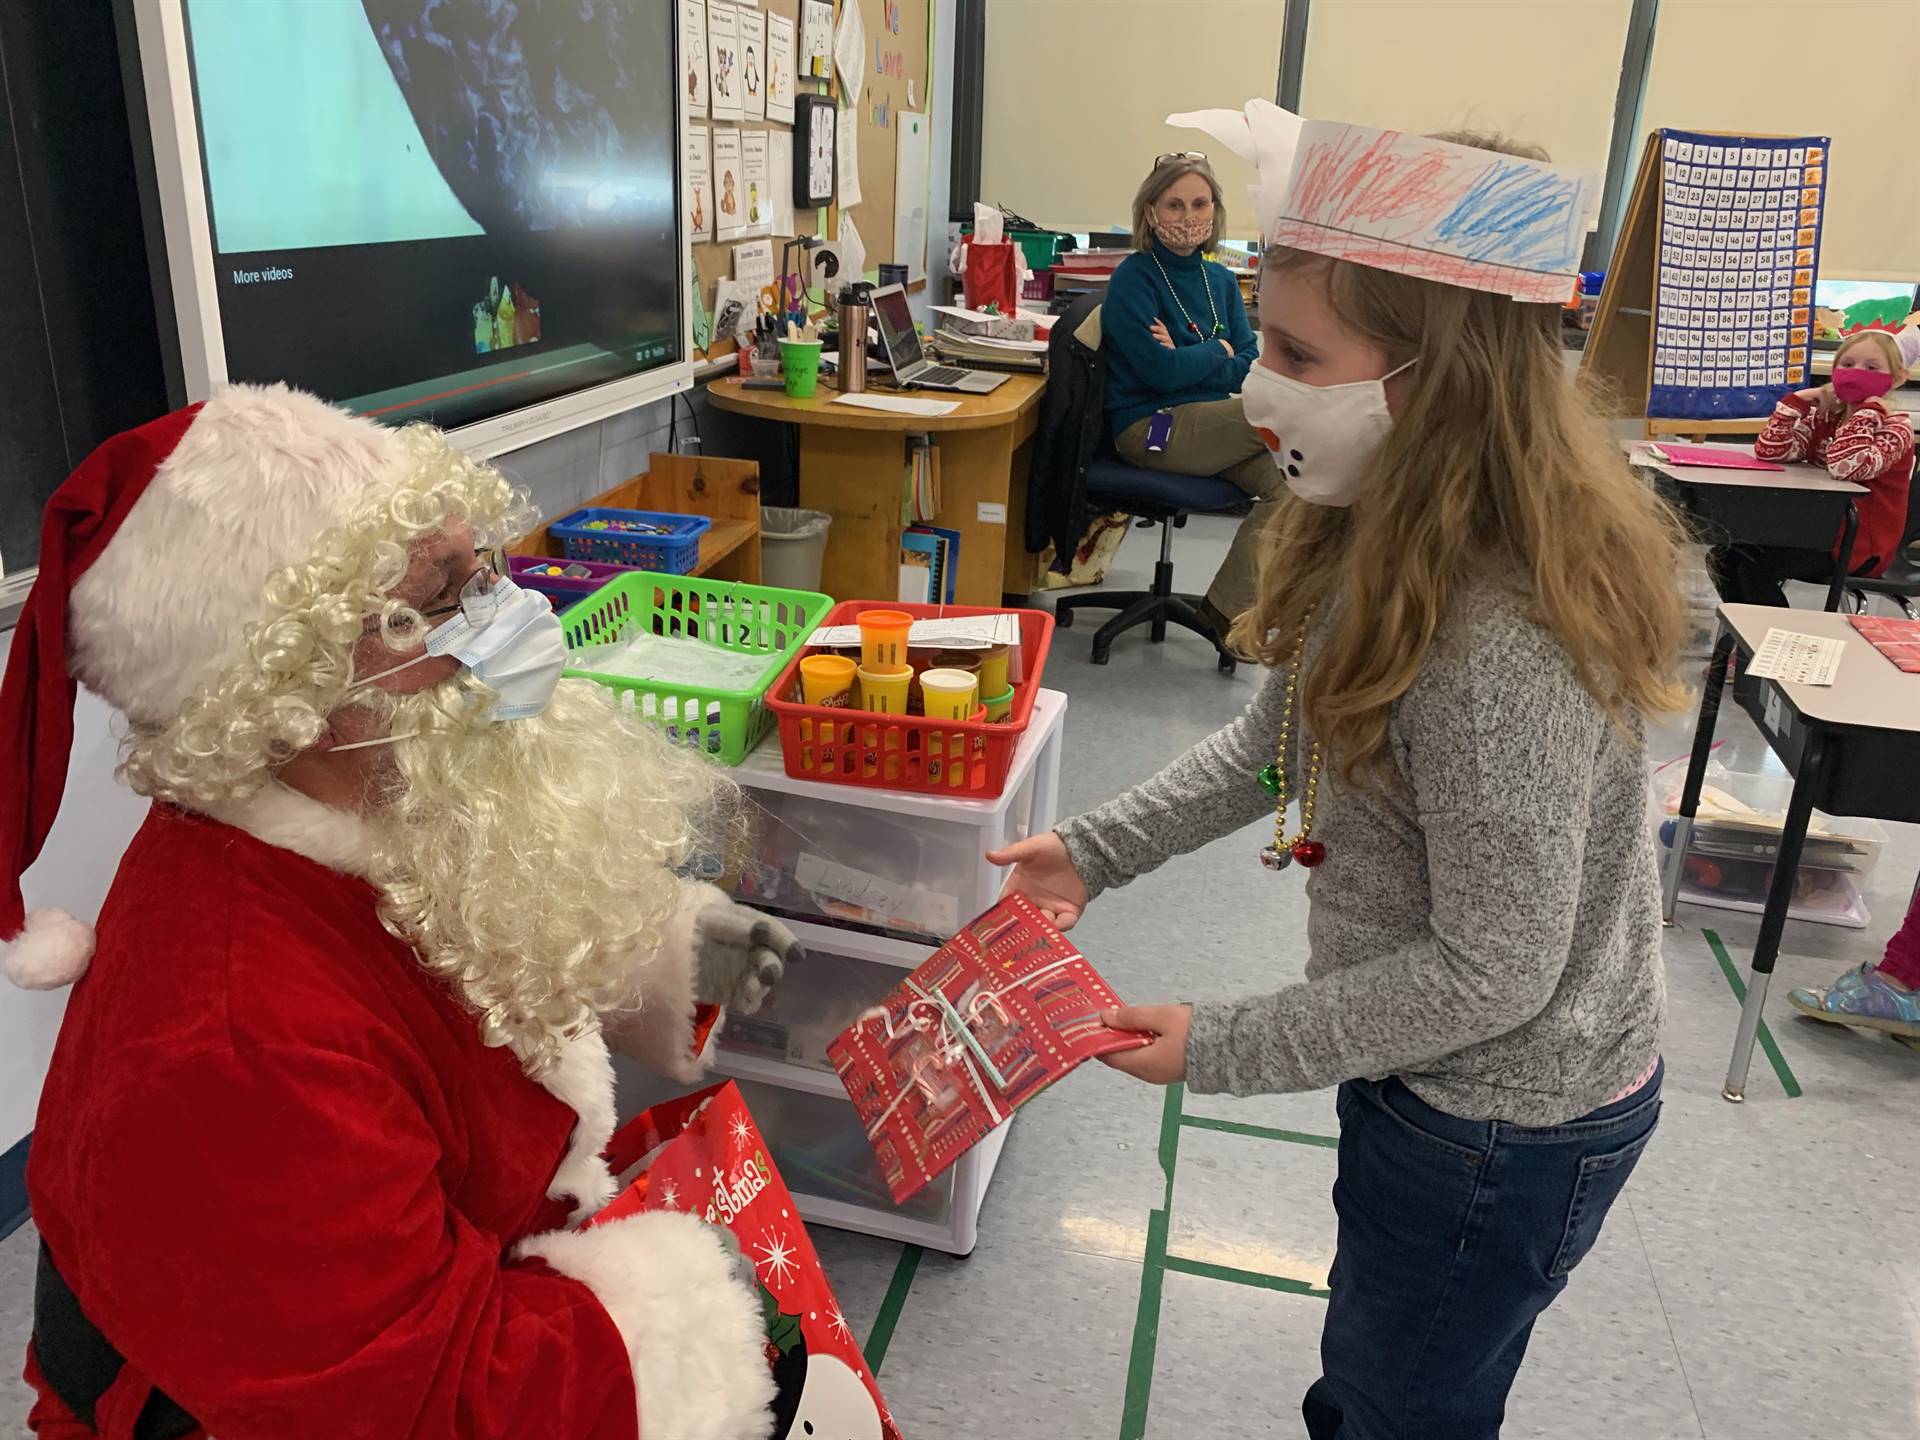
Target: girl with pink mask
(1852,427)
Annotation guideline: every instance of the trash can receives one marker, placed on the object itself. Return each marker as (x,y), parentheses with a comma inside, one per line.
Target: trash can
(793,545)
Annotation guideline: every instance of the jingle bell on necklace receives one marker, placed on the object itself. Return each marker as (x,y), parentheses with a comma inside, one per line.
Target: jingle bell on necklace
(1302,849)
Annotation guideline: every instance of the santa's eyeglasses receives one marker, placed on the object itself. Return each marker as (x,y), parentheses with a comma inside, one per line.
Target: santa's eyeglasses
(478,593)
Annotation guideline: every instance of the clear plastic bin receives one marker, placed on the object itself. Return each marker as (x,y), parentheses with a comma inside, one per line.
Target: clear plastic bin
(820,1150)
(909,874)
(813,1003)
(1742,814)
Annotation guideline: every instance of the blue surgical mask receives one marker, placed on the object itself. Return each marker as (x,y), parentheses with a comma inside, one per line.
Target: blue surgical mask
(513,645)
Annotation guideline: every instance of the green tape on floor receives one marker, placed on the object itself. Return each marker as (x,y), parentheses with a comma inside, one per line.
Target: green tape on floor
(890,1307)
(1258,1279)
(1260,1132)
(1153,1269)
(1782,1070)
(1146,1331)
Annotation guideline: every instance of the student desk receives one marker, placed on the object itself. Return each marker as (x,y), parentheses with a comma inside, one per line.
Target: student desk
(852,462)
(1797,505)
(1853,748)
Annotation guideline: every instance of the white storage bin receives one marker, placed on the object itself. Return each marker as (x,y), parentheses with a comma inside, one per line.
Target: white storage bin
(813,1002)
(893,861)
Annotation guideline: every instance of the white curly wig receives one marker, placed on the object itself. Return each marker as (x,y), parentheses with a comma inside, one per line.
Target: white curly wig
(296,665)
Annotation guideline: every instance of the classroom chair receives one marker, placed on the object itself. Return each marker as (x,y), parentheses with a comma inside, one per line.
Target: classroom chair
(1152,497)
(1900,582)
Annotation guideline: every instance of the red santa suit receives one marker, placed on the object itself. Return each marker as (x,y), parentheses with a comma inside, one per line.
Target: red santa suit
(284,1178)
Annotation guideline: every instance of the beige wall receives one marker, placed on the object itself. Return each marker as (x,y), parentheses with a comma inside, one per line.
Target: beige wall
(1836,67)
(1545,71)
(1077,93)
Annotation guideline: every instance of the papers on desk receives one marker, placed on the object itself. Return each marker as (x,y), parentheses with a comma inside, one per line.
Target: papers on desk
(1800,659)
(958,632)
(899,404)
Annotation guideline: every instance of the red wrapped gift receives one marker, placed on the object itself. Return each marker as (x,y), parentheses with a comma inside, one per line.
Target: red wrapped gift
(999,1013)
(703,1153)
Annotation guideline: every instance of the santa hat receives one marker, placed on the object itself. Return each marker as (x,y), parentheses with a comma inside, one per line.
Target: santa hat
(154,556)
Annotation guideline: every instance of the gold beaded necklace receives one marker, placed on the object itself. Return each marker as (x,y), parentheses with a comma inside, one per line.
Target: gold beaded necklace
(1273,779)
(1192,324)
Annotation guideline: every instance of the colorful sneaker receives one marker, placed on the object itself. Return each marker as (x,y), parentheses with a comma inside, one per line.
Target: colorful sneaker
(1865,998)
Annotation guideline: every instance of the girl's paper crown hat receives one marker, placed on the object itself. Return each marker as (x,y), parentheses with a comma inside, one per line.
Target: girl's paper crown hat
(1420,207)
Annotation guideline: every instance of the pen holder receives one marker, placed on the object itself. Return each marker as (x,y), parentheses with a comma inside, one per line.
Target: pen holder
(800,359)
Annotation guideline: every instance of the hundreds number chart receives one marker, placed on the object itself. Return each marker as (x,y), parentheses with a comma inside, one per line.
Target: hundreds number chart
(1739,247)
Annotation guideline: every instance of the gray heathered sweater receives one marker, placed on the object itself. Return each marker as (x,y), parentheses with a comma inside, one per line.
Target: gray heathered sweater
(1487,929)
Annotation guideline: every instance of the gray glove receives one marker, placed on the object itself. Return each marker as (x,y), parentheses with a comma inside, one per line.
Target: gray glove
(739,955)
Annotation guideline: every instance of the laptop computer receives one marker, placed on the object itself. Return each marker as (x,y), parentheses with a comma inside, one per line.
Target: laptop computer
(911,368)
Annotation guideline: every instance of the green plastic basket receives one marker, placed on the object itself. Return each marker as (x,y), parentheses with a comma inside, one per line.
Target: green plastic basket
(745,619)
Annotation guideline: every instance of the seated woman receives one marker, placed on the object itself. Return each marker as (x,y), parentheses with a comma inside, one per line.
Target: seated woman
(1177,339)
(1848,426)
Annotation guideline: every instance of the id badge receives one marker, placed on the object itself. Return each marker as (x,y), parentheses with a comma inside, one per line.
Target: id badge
(1159,430)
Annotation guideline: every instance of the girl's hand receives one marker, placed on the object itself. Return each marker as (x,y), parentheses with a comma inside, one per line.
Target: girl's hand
(1164,1061)
(1159,332)
(1044,873)
(1226,345)
(1828,402)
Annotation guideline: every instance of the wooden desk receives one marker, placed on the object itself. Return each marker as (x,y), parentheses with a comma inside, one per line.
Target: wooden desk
(851,466)
(1800,505)
(1852,747)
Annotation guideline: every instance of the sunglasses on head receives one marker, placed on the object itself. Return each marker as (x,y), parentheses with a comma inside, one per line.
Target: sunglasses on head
(1172,155)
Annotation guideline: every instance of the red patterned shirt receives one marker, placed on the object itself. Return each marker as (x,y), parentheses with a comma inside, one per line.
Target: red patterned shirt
(1871,447)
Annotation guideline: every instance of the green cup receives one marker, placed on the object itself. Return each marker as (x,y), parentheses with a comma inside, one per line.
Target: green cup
(800,361)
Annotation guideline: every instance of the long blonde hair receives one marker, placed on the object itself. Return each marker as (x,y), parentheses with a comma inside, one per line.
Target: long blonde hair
(1496,466)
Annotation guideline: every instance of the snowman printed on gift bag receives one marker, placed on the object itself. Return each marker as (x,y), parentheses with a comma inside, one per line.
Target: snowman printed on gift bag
(818,1396)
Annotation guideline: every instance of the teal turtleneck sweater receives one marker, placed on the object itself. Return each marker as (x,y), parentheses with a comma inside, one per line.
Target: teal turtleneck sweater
(1142,374)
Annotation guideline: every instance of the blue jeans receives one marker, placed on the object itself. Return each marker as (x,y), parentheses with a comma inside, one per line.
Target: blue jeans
(1454,1236)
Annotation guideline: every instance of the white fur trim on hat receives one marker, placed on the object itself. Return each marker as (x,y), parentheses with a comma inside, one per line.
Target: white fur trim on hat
(260,473)
(52,950)
(692,1329)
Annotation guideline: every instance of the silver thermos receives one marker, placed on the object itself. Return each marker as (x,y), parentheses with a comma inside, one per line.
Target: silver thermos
(852,374)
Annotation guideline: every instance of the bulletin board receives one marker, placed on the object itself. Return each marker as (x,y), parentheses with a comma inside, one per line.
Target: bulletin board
(895,81)
(1706,315)
(713,260)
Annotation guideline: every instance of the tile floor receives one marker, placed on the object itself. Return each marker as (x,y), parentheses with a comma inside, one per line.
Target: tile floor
(1757,1283)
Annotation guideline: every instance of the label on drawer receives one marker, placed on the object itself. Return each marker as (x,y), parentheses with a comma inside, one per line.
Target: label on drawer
(884,901)
(989,513)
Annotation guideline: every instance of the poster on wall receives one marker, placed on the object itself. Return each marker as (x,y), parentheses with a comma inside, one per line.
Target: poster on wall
(816,39)
(753,175)
(753,64)
(723,55)
(729,206)
(780,180)
(847,144)
(693,39)
(1740,221)
(780,68)
(914,154)
(697,169)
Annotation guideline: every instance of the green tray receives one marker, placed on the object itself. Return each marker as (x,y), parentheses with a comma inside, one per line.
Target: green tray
(747,619)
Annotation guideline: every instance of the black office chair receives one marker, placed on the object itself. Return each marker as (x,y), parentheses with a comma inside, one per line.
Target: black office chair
(1154,497)
(1900,582)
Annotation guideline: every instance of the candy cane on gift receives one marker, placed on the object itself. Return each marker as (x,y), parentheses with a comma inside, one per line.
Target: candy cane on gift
(956,1041)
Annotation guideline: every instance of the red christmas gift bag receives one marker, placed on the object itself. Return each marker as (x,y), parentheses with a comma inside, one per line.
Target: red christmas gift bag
(991,275)
(703,1153)
(999,1013)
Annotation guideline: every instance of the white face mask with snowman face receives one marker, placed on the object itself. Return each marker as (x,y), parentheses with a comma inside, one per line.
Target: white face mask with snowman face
(1321,436)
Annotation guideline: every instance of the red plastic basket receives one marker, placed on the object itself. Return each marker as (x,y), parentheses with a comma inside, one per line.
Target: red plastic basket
(909,752)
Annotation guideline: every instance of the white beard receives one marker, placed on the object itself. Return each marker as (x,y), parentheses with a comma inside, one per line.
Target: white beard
(528,861)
